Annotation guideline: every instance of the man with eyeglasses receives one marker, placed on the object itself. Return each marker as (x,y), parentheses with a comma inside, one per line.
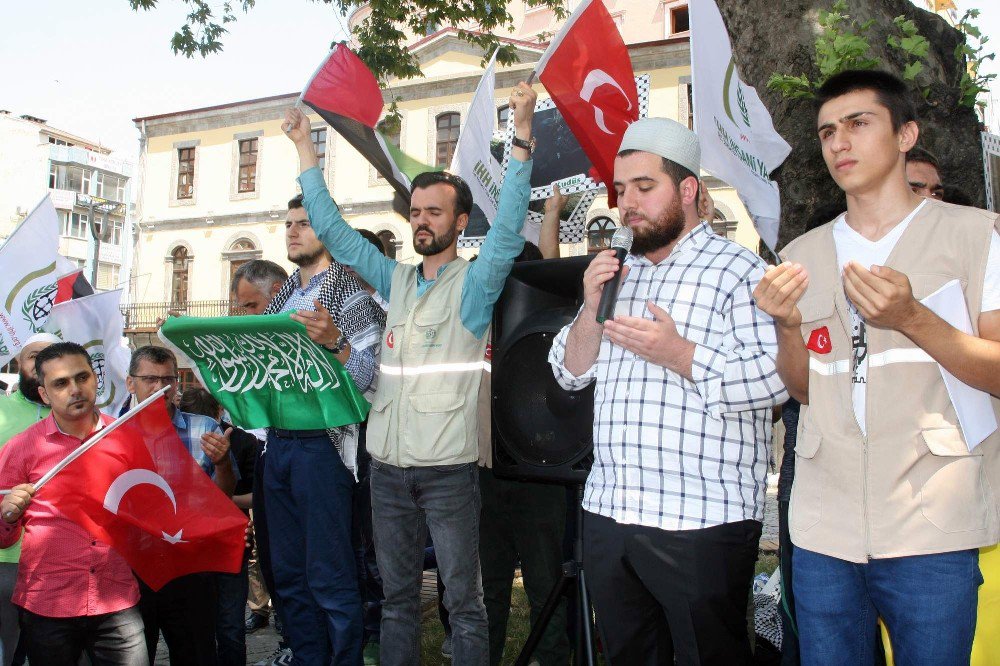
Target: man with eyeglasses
(183,609)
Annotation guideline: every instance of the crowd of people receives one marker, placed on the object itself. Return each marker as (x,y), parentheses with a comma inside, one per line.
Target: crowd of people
(884,504)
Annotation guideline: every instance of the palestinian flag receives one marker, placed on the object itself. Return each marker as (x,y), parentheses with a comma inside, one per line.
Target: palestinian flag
(71,286)
(344,92)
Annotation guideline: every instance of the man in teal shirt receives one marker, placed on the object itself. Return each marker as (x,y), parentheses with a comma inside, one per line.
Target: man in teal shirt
(422,430)
(18,411)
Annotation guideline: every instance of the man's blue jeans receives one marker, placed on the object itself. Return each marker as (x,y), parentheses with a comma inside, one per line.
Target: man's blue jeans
(308,493)
(928,603)
(406,503)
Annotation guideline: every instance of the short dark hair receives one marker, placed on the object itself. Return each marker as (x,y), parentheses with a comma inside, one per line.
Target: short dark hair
(373,239)
(59,350)
(151,353)
(295,202)
(199,401)
(463,195)
(918,154)
(889,89)
(676,172)
(261,273)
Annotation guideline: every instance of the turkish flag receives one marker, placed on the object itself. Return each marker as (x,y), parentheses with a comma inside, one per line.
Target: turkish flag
(139,490)
(588,73)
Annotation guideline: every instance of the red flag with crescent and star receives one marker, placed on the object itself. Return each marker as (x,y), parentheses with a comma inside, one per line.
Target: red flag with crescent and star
(587,71)
(140,491)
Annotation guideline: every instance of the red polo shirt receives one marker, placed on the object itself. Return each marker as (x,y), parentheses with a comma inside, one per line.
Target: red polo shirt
(64,571)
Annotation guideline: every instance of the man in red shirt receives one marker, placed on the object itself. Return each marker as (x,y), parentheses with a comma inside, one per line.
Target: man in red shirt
(75,593)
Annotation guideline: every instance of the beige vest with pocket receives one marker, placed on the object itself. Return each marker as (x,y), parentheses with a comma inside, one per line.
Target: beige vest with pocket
(911,486)
(431,366)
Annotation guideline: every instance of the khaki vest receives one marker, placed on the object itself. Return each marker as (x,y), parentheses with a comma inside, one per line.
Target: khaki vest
(424,410)
(911,486)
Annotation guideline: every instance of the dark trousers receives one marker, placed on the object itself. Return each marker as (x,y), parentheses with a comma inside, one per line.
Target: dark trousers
(789,631)
(261,539)
(524,522)
(662,594)
(110,639)
(308,492)
(184,610)
(230,631)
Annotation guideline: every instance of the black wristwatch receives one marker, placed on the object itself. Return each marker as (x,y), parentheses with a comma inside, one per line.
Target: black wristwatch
(528,145)
(339,345)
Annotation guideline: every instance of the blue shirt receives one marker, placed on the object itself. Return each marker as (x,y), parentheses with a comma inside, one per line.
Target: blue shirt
(190,428)
(486,276)
(361,363)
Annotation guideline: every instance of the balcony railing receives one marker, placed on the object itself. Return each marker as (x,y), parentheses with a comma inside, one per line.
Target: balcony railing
(145,315)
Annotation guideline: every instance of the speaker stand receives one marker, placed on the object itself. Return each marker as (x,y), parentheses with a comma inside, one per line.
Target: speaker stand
(572,571)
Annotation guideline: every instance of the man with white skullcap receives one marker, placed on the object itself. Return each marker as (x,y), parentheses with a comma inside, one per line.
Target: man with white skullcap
(685,383)
(19,410)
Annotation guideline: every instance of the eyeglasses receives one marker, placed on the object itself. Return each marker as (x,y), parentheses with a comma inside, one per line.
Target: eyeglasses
(155,379)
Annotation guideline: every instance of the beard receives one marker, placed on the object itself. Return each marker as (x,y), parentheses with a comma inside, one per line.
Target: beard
(303,258)
(437,244)
(28,386)
(660,233)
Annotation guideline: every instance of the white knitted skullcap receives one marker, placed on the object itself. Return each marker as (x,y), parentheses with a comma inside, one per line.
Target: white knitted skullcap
(666,138)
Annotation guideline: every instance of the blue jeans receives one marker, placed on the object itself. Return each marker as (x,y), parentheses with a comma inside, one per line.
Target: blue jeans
(406,503)
(230,631)
(308,493)
(928,603)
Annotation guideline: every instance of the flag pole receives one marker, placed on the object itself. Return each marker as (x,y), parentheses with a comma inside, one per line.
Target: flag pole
(94,439)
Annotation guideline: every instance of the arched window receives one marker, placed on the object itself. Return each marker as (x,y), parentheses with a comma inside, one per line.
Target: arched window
(179,282)
(242,245)
(388,240)
(240,252)
(599,233)
(448,125)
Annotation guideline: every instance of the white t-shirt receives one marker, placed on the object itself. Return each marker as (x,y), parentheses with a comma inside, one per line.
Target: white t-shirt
(852,246)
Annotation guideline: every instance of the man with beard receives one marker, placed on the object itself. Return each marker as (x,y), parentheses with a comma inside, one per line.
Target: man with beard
(18,411)
(309,476)
(686,383)
(422,430)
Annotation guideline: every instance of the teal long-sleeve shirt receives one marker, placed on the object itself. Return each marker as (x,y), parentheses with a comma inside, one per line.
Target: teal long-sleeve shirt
(486,275)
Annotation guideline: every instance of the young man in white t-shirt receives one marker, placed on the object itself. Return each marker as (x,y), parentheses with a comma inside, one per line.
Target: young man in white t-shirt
(871,487)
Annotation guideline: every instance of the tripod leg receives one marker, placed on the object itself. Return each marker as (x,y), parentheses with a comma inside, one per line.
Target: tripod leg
(555,596)
(585,652)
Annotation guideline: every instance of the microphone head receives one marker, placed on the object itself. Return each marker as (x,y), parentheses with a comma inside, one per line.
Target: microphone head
(622,238)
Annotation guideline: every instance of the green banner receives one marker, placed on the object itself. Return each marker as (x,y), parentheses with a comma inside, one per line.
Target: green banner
(266,371)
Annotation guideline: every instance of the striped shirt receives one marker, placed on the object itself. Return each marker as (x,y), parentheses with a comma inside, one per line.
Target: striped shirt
(669,452)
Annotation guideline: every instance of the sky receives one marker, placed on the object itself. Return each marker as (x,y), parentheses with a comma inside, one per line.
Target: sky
(89,71)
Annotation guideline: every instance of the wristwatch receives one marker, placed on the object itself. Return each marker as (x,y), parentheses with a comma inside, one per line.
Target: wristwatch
(528,145)
(338,346)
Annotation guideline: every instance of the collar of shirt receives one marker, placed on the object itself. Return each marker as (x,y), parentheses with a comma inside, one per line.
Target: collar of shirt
(180,423)
(692,240)
(314,282)
(423,283)
(51,427)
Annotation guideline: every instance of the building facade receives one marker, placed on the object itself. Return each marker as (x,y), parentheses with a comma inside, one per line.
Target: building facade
(214,182)
(85,183)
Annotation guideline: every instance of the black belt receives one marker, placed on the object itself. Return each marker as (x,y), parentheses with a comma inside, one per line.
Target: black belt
(299,434)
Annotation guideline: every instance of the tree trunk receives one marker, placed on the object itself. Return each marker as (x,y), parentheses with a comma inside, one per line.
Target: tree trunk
(770,37)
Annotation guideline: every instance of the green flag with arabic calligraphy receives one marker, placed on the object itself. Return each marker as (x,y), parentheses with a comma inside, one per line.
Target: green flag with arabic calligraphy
(266,371)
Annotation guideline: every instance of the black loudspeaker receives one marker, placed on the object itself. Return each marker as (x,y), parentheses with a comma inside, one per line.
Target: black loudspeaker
(540,431)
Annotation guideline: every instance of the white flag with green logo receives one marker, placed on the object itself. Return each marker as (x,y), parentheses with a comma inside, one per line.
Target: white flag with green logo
(738,141)
(30,264)
(95,322)
(473,160)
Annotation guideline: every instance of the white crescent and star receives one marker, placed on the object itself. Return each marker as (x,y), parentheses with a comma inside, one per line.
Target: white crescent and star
(594,79)
(135,477)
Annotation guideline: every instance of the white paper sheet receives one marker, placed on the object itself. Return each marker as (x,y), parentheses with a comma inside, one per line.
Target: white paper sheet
(974,408)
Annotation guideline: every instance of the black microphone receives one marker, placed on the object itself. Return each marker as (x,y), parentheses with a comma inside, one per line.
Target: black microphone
(621,243)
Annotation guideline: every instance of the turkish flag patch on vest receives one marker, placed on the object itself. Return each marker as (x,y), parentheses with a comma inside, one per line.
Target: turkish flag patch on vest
(819,341)
(390,340)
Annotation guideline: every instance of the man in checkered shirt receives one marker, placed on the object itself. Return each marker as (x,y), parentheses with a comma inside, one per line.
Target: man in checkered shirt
(686,381)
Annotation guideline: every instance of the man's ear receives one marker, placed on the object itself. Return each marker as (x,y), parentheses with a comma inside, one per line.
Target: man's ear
(44,395)
(908,135)
(689,191)
(130,384)
(462,221)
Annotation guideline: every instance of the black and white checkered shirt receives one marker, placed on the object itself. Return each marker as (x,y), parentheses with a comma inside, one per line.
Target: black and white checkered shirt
(669,452)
